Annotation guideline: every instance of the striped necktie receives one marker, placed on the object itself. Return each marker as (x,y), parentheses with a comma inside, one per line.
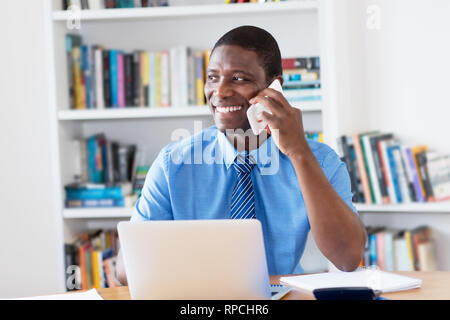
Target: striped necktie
(243,197)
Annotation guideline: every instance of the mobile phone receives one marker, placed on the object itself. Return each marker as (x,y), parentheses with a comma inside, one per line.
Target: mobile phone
(255,109)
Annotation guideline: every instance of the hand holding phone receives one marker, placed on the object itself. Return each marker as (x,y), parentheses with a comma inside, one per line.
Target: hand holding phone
(253,112)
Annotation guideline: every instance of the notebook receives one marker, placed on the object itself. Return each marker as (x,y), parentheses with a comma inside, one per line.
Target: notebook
(374,279)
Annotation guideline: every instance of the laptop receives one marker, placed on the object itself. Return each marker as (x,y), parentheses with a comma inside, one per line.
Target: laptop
(195,260)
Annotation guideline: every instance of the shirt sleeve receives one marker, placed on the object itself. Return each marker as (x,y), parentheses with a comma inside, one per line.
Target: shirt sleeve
(337,174)
(154,202)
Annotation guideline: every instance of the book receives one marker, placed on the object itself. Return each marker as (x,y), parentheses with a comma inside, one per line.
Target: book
(402,178)
(121,80)
(137,81)
(106,79)
(361,168)
(72,41)
(439,174)
(165,79)
(86,191)
(414,151)
(100,97)
(423,169)
(199,76)
(370,167)
(95,203)
(419,195)
(129,80)
(377,165)
(114,78)
(374,279)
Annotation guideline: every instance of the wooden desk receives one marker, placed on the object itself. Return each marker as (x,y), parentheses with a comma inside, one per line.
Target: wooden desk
(435,286)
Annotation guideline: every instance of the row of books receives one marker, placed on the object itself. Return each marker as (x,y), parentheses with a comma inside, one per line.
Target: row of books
(301,79)
(111,4)
(90,260)
(400,250)
(315,136)
(108,78)
(101,160)
(384,171)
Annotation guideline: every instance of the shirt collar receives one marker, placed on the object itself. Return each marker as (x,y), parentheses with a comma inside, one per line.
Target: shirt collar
(263,155)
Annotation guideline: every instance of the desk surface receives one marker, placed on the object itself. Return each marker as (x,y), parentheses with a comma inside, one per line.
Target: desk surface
(435,286)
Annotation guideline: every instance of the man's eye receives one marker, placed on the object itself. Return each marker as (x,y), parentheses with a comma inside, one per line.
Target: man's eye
(211,77)
(236,78)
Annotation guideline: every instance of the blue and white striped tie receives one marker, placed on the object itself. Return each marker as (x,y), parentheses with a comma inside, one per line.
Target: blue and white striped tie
(243,197)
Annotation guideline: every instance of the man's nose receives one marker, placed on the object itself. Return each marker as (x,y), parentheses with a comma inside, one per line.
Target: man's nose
(223,89)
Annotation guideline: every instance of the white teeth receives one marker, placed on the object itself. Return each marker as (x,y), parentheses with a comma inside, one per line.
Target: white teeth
(228,109)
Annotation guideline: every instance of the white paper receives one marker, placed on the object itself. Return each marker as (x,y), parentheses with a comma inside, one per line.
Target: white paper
(86,295)
(374,279)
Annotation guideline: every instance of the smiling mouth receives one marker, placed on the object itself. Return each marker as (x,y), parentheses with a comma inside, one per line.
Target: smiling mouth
(228,109)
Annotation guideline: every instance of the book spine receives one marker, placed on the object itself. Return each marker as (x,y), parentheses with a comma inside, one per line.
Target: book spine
(100,99)
(165,79)
(380,250)
(174,77)
(422,163)
(374,182)
(121,80)
(199,84)
(95,203)
(136,78)
(386,166)
(158,79)
(129,80)
(106,79)
(361,169)
(346,157)
(183,76)
(114,78)
(401,174)
(145,78)
(85,67)
(417,188)
(373,249)
(409,175)
(378,170)
(152,79)
(394,174)
(409,245)
(87,194)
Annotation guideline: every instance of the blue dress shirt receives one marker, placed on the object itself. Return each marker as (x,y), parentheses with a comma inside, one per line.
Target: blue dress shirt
(192,179)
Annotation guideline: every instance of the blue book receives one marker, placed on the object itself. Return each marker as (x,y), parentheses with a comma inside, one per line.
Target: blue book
(94,173)
(394,172)
(85,69)
(94,193)
(125,3)
(373,249)
(114,79)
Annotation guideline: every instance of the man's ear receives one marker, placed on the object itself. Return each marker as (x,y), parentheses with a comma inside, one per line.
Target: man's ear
(280,78)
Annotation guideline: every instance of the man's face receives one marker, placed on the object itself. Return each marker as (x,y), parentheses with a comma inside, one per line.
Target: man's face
(234,76)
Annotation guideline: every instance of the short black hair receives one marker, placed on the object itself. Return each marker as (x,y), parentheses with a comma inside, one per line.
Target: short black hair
(261,42)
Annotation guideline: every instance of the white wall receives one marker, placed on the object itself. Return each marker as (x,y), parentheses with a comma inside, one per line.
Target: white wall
(30,245)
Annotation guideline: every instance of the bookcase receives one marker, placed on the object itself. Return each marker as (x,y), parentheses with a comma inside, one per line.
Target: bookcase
(302,28)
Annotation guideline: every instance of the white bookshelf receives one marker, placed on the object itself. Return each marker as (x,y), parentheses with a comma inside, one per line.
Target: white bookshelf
(302,28)
(295,25)
(190,11)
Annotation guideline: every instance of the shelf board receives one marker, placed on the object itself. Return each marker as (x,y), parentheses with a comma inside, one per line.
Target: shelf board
(142,113)
(429,207)
(97,213)
(132,113)
(187,11)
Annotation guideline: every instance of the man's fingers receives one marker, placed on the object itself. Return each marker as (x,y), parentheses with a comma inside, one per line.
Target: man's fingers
(268,103)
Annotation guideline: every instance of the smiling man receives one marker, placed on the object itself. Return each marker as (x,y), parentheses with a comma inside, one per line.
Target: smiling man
(308,190)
